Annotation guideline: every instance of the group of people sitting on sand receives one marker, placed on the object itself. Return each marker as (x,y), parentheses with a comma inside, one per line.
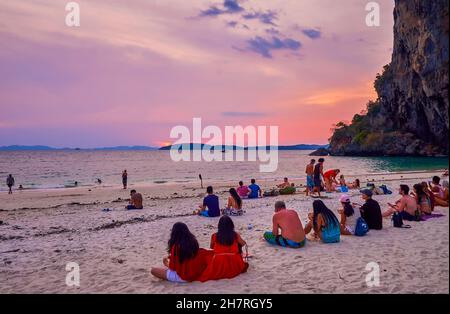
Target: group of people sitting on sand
(211,207)
(186,261)
(421,200)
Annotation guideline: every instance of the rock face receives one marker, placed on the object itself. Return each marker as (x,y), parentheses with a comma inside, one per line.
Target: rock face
(410,116)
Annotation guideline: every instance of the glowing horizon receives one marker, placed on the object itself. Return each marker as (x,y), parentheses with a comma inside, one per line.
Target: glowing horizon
(131,72)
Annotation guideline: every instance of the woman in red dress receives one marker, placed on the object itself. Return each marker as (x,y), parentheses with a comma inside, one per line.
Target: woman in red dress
(186,261)
(227,261)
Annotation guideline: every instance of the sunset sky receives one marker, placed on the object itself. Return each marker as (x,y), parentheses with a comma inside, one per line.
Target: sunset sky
(135,69)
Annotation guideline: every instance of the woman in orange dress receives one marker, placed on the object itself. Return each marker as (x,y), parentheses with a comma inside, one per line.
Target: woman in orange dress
(227,261)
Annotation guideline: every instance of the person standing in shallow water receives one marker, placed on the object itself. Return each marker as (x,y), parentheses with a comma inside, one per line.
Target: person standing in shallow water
(10,183)
(124,179)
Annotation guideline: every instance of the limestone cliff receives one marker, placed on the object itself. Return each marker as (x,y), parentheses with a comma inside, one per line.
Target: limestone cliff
(410,116)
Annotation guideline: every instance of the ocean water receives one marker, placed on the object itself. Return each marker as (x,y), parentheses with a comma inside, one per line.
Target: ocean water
(54,169)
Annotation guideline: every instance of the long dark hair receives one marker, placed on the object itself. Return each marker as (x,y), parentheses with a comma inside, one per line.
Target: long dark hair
(358,183)
(186,245)
(236,197)
(320,208)
(226,234)
(348,209)
(418,188)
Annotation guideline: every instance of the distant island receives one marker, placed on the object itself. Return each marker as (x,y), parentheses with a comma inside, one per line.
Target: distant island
(150,148)
(194,146)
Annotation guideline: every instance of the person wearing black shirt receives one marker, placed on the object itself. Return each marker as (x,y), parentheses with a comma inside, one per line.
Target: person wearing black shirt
(371,211)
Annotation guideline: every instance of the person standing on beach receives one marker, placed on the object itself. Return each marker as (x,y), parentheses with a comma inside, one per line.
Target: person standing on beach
(318,174)
(125,179)
(310,176)
(10,183)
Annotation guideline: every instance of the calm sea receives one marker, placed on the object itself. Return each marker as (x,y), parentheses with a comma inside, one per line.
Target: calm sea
(55,169)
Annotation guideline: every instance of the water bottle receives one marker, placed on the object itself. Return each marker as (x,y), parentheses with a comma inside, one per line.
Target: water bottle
(250,226)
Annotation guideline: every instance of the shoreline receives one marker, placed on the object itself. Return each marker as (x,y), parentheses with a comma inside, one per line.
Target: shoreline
(223,182)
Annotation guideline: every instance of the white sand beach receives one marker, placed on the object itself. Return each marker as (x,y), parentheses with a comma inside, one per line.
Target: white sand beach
(43,230)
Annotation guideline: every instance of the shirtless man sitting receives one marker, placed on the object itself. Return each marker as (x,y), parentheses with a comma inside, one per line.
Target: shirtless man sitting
(285,184)
(406,205)
(292,233)
(135,200)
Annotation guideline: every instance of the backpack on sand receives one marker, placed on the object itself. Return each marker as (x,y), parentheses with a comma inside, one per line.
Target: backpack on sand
(361,227)
(398,221)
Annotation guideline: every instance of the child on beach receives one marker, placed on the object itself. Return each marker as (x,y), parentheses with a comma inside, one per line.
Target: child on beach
(210,206)
(342,180)
(227,261)
(234,205)
(186,261)
(349,216)
(324,223)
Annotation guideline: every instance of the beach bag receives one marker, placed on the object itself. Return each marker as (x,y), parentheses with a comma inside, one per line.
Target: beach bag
(385,189)
(271,193)
(361,227)
(398,221)
(288,190)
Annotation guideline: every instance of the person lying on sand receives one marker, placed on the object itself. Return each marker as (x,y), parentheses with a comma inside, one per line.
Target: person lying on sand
(406,206)
(186,261)
(355,184)
(349,216)
(285,184)
(292,234)
(234,205)
(243,190)
(324,223)
(136,201)
(210,206)
(330,177)
(227,261)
